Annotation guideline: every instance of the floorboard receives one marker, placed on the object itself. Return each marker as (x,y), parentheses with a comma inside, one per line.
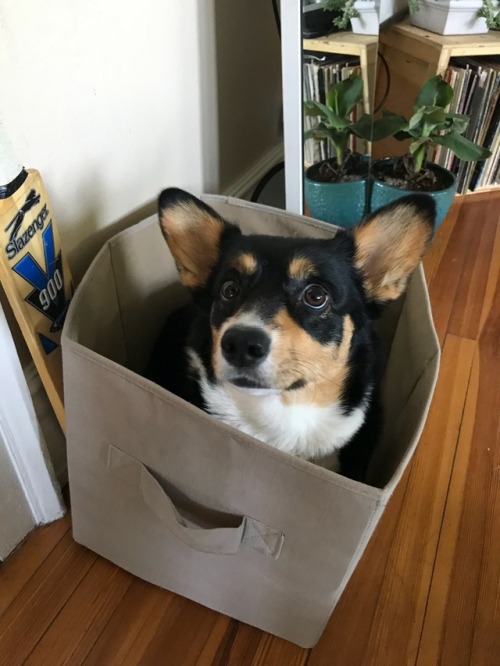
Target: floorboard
(23,563)
(392,613)
(93,602)
(427,589)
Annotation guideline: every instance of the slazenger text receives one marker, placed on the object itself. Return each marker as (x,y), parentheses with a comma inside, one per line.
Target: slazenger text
(17,243)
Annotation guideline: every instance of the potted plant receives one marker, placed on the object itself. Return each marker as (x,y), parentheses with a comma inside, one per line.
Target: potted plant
(317,19)
(490,11)
(430,125)
(335,189)
(450,17)
(362,15)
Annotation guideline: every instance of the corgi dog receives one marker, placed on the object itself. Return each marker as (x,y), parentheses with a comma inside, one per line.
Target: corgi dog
(278,339)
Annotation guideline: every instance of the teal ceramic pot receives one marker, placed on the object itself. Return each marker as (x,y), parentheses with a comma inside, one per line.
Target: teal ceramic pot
(343,204)
(382,194)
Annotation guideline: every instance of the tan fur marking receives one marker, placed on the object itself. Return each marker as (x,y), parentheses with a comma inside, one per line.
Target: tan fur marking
(296,355)
(245,263)
(193,236)
(388,248)
(301,268)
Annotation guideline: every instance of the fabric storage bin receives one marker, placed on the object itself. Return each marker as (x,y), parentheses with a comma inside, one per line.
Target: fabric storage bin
(183,501)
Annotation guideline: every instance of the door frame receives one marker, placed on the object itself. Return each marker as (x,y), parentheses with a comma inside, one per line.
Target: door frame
(22,435)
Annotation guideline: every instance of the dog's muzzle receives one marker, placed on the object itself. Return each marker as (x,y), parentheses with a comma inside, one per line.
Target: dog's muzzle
(245,347)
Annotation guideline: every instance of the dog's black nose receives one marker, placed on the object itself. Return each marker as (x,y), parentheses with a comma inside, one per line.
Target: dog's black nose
(245,346)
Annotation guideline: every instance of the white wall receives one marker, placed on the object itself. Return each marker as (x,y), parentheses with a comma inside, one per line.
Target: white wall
(111,100)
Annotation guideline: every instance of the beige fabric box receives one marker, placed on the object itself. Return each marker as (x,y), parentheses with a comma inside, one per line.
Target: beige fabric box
(188,503)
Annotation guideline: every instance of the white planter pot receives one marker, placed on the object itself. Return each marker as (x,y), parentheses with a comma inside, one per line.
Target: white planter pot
(450,17)
(368,21)
(390,8)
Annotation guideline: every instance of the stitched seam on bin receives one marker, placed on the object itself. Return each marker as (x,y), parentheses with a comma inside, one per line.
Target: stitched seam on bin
(87,279)
(399,471)
(376,495)
(415,439)
(127,354)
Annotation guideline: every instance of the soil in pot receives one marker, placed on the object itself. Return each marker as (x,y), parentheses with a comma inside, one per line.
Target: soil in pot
(355,167)
(396,174)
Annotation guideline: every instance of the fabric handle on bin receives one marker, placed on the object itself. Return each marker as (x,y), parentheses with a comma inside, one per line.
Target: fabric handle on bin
(249,532)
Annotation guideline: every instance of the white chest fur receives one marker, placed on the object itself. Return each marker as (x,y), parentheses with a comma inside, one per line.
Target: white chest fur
(305,430)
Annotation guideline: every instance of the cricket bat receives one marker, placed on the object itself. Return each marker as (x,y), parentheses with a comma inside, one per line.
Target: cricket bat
(33,269)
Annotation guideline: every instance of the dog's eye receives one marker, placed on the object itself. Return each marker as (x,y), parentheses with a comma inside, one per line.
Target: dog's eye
(230,290)
(315,296)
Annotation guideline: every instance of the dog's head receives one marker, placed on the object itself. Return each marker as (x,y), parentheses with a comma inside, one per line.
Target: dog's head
(284,312)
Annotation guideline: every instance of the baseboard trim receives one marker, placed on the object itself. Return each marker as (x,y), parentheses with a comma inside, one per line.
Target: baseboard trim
(243,187)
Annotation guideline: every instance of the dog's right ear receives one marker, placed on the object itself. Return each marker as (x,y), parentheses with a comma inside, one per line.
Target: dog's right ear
(193,232)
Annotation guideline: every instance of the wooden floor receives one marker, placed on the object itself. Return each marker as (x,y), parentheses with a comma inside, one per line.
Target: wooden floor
(427,590)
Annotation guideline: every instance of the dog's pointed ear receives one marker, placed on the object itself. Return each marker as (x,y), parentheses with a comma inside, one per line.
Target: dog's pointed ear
(193,232)
(391,242)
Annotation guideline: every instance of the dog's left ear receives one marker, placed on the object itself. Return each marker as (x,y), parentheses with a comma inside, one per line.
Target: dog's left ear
(390,244)
(193,232)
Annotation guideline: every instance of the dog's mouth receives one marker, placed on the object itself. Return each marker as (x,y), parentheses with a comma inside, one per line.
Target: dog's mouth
(246,383)
(253,384)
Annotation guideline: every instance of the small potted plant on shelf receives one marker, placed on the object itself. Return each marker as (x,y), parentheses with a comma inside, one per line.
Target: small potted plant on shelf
(451,17)
(490,11)
(360,15)
(335,189)
(317,19)
(430,126)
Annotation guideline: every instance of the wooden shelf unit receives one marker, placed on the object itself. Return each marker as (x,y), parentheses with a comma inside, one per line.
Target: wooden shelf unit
(415,55)
(418,54)
(347,43)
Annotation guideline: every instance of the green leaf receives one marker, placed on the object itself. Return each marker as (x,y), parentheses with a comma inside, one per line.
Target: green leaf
(445,94)
(344,95)
(434,92)
(434,116)
(337,122)
(321,132)
(363,127)
(418,150)
(309,134)
(433,121)
(312,108)
(386,126)
(457,122)
(416,119)
(427,93)
(328,116)
(462,147)
(416,145)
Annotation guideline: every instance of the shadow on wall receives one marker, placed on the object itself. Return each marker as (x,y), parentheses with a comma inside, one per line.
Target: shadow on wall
(96,235)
